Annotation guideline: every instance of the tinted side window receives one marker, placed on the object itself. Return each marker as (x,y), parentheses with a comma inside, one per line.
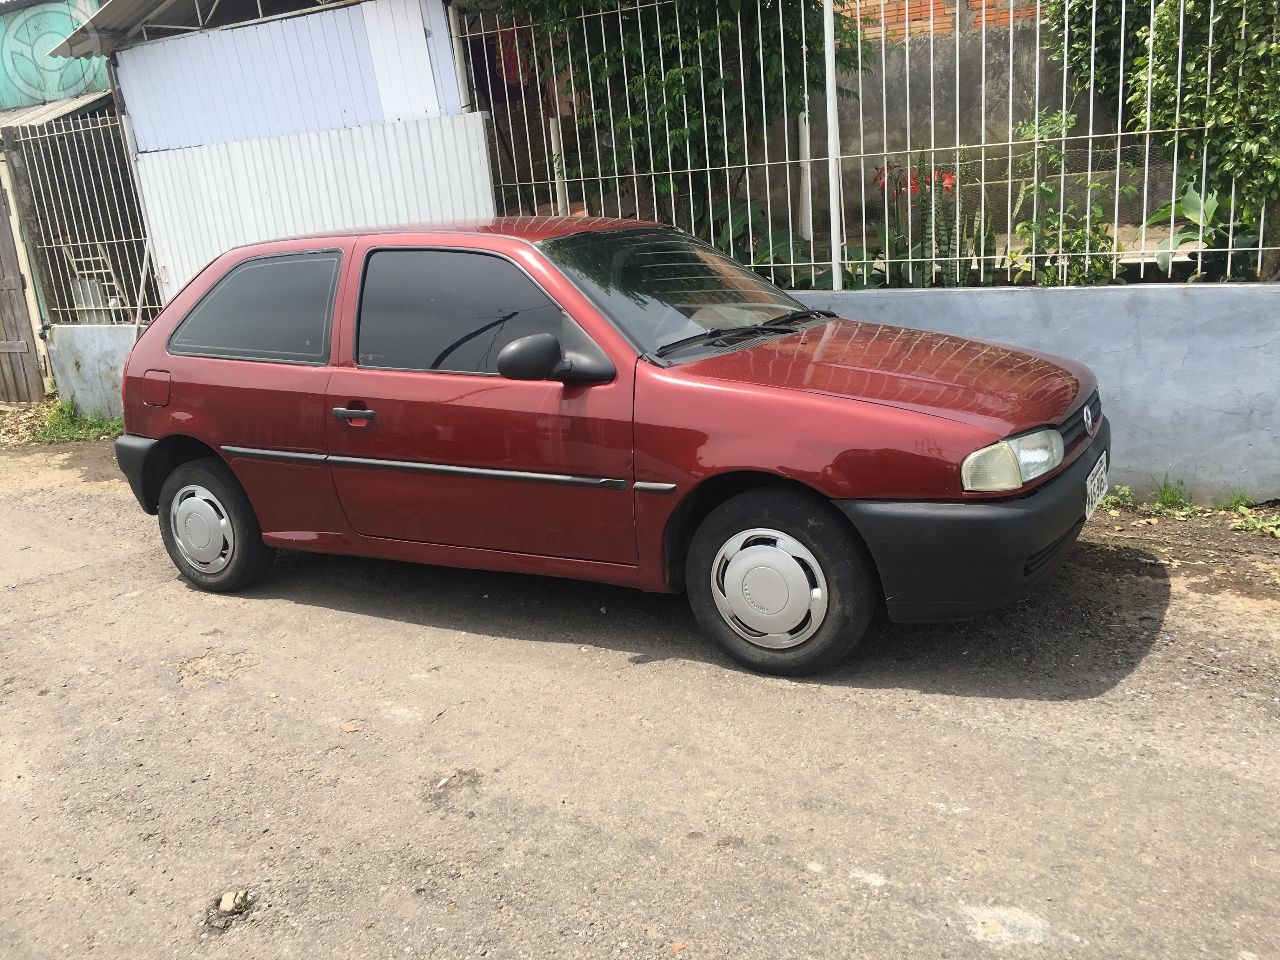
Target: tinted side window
(449,311)
(275,308)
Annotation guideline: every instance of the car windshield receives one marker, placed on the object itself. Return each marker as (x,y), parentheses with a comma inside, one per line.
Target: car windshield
(661,286)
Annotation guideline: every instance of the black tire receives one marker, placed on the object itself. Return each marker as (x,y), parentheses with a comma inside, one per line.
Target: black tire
(852,585)
(248,559)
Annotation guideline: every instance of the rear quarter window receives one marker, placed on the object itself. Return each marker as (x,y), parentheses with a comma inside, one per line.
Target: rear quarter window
(276,309)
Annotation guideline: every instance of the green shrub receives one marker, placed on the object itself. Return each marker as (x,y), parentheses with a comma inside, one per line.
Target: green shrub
(1065,243)
(1120,498)
(1207,71)
(1253,521)
(1098,39)
(66,422)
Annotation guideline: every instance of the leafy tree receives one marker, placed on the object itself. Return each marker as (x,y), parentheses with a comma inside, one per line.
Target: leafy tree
(1100,39)
(1214,70)
(1218,58)
(666,91)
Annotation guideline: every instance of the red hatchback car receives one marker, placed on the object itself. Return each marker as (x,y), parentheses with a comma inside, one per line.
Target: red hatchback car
(608,400)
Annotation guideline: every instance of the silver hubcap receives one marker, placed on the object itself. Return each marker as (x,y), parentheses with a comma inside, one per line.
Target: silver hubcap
(201,529)
(769,588)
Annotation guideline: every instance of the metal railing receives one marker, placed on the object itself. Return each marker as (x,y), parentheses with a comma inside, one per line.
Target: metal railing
(968,142)
(84,222)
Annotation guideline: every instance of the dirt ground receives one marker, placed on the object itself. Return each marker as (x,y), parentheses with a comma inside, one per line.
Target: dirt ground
(409,761)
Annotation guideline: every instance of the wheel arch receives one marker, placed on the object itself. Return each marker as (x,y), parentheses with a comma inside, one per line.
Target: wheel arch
(168,454)
(705,497)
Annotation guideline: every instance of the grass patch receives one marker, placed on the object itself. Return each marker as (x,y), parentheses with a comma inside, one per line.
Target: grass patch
(1237,500)
(1171,497)
(1171,501)
(65,422)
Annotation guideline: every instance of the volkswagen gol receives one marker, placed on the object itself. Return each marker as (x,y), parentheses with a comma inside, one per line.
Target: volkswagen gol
(608,400)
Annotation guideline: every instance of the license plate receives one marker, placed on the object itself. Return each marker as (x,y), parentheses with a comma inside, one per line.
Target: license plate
(1095,488)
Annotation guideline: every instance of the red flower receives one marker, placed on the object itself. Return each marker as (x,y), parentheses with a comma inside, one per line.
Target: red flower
(896,180)
(946,179)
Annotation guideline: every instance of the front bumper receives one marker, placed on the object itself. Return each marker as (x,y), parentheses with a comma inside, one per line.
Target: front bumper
(942,561)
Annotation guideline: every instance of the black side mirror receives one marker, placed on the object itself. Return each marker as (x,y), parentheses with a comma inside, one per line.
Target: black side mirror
(534,357)
(540,357)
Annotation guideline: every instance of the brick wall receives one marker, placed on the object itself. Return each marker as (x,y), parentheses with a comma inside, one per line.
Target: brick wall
(894,19)
(1000,13)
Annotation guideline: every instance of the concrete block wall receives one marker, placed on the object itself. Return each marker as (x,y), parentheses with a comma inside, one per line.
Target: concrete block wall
(88,361)
(1189,374)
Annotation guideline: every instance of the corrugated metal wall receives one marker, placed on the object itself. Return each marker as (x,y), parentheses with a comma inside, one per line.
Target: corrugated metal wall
(372,62)
(202,200)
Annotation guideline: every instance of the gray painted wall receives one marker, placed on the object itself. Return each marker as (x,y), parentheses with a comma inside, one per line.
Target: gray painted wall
(88,360)
(1190,375)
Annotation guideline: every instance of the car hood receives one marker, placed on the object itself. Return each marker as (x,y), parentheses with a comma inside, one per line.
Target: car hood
(999,388)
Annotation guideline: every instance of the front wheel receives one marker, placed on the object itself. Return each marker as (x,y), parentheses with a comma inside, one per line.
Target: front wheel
(781,582)
(209,527)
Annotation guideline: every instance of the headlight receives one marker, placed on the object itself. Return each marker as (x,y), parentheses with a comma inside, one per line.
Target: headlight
(1009,464)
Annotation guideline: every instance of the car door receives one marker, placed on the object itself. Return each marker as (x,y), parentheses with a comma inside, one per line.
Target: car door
(451,453)
(246,369)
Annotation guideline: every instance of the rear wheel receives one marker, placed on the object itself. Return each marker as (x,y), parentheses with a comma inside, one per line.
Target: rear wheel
(780,581)
(209,527)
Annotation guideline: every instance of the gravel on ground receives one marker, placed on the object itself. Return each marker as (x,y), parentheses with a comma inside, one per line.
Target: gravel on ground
(366,759)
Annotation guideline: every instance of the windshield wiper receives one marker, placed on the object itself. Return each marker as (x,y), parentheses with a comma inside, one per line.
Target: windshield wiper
(713,336)
(795,316)
(781,324)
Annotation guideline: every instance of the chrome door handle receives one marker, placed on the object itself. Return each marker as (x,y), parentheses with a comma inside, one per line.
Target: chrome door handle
(345,413)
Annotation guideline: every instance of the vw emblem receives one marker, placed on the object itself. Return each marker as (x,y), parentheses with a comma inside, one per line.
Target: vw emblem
(1088,419)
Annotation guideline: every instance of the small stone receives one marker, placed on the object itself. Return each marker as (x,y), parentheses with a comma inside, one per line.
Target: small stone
(228,902)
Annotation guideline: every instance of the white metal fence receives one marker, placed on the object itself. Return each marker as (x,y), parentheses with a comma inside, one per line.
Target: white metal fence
(85,228)
(975,141)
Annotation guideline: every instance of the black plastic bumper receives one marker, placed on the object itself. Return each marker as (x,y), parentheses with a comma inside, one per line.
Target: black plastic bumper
(942,561)
(131,454)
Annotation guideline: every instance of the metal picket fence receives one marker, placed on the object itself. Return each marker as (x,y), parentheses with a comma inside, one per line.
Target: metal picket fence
(957,142)
(81,205)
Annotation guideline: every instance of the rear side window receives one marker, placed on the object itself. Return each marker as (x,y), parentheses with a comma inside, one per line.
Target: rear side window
(272,308)
(450,311)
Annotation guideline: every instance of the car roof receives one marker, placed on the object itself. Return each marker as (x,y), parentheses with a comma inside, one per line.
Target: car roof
(529,229)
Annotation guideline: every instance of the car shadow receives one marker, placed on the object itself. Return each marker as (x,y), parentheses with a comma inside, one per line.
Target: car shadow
(1084,631)
(1087,628)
